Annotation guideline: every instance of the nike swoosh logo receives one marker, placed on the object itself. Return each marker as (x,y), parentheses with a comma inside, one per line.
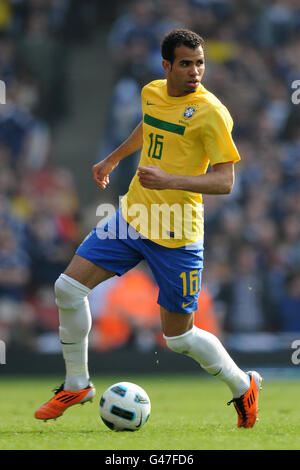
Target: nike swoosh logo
(150,104)
(186,304)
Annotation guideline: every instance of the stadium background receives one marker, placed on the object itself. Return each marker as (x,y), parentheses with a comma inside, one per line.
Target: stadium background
(73,72)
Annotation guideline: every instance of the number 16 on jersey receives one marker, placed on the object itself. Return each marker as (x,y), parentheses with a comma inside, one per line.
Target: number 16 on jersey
(156,146)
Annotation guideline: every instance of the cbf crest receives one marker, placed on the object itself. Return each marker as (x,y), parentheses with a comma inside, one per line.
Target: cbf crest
(189,111)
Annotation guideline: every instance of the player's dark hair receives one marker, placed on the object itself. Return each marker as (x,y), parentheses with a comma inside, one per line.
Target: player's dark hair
(179,37)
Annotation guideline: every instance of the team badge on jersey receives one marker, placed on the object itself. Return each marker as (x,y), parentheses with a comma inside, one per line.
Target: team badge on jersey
(189,111)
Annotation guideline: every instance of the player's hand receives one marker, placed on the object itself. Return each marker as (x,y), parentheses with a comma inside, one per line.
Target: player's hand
(152,177)
(102,170)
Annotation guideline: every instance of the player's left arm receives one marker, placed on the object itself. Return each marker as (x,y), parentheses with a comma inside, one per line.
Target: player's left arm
(219,181)
(102,170)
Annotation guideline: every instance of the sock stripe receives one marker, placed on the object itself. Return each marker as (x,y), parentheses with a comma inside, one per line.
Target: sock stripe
(220,370)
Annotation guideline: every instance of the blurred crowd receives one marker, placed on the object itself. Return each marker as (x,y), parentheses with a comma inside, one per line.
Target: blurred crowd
(251,280)
(39,226)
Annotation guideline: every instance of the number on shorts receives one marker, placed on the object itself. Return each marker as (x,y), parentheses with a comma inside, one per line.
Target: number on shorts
(190,281)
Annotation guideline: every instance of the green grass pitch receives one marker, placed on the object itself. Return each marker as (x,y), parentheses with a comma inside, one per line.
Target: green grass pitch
(188,413)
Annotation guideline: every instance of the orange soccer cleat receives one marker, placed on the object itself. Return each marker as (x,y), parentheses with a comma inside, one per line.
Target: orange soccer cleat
(62,400)
(247,405)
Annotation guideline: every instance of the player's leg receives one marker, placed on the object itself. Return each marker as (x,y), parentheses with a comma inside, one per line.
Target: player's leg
(71,292)
(178,274)
(86,272)
(174,324)
(98,258)
(183,337)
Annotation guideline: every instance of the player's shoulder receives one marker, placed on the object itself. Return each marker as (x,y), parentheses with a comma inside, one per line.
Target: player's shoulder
(211,103)
(156,86)
(214,112)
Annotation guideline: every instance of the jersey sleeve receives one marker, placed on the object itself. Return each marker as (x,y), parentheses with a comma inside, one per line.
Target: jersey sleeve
(217,139)
(143,91)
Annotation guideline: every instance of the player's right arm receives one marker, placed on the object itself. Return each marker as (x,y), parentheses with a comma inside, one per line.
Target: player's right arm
(102,170)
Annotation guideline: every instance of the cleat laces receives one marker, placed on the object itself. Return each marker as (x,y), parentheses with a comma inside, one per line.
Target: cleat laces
(240,408)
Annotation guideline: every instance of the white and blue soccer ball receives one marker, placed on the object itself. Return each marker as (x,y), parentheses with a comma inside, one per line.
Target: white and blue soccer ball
(125,406)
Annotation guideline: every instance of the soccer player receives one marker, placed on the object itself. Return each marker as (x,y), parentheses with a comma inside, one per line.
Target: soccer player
(184,129)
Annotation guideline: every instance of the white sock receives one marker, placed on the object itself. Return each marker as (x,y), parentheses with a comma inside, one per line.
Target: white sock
(75,324)
(208,351)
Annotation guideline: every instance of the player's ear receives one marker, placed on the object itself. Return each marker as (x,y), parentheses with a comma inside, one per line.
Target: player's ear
(166,65)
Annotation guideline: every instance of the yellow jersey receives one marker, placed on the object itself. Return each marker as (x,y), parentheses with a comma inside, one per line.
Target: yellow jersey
(182,136)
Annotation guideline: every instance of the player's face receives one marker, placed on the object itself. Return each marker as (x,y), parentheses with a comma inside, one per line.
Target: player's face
(186,72)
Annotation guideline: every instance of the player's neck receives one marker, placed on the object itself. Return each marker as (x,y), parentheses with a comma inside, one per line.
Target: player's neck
(174,92)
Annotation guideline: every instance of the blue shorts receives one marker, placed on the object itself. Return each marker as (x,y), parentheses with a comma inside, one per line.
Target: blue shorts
(177,271)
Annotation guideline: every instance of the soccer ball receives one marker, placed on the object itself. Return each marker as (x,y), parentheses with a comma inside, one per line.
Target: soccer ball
(125,406)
